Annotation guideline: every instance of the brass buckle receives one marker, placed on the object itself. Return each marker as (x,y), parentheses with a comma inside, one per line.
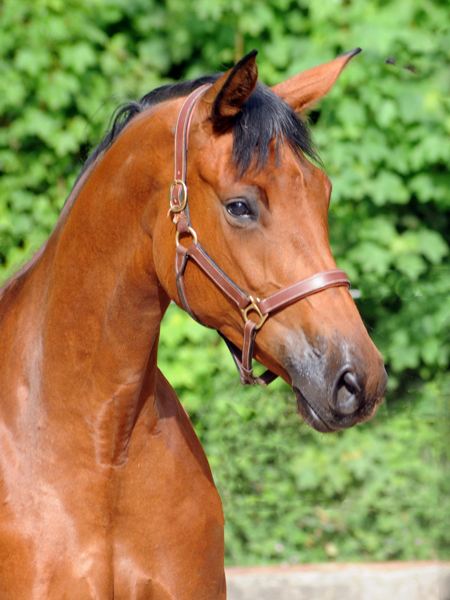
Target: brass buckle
(175,207)
(254,306)
(191,231)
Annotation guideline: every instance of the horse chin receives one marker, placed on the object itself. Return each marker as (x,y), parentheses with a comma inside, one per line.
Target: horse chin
(328,423)
(309,415)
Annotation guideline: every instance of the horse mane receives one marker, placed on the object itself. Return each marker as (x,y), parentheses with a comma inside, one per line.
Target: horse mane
(263,117)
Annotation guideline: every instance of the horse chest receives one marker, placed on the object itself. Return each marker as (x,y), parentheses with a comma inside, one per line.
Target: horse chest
(150,529)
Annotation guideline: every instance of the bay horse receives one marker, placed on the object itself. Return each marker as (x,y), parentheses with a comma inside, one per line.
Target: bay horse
(105,490)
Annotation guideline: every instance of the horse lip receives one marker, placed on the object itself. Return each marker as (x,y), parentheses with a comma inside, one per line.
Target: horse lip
(310,416)
(333,424)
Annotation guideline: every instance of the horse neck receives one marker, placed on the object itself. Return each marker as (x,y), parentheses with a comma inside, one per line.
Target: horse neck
(101,315)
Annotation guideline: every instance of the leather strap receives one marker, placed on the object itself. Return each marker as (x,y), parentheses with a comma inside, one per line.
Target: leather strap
(215,273)
(301,289)
(178,189)
(246,304)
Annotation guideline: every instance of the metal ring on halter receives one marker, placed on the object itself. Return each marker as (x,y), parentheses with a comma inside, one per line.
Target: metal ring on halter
(255,307)
(190,230)
(176,208)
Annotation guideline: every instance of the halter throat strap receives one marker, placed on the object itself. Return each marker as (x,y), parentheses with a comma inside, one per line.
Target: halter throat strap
(250,308)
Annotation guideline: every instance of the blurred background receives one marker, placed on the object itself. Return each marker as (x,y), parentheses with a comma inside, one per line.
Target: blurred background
(380,491)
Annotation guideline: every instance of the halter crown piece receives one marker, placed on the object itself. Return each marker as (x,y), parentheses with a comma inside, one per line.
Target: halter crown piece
(247,305)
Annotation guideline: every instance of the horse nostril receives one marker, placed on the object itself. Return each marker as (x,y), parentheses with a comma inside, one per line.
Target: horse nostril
(347,394)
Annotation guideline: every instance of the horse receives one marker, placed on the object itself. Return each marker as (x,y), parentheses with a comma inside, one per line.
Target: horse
(105,489)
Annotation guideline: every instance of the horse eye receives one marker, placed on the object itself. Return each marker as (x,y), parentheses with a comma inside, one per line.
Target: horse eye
(238,209)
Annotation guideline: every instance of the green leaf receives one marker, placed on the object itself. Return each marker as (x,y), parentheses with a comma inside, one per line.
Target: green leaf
(389,187)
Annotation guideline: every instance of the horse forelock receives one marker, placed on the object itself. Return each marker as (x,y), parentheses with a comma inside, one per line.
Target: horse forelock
(265,117)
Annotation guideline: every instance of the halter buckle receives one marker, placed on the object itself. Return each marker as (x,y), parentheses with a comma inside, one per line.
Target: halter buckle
(254,306)
(177,205)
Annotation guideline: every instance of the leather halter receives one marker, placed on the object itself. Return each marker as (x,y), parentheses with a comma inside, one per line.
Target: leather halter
(261,309)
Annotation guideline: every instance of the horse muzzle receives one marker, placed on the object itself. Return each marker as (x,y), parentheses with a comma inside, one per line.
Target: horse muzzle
(330,399)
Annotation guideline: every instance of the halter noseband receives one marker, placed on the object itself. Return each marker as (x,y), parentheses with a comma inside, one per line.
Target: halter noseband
(246,304)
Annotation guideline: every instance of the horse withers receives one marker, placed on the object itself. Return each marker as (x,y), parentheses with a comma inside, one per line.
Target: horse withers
(105,490)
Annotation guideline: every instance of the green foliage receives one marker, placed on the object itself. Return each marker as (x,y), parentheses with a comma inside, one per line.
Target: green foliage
(383,134)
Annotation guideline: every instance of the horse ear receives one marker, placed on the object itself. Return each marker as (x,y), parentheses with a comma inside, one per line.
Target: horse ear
(230,91)
(304,89)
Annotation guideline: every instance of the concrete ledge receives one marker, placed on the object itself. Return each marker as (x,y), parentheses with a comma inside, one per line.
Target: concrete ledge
(375,581)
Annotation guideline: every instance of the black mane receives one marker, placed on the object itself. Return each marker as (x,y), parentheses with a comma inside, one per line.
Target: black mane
(263,117)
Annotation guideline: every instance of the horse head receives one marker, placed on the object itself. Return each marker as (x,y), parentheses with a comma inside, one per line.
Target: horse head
(258,209)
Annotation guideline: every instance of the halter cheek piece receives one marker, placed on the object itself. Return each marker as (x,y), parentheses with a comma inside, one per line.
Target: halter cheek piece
(248,305)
